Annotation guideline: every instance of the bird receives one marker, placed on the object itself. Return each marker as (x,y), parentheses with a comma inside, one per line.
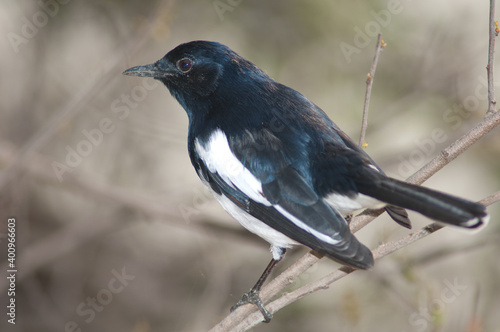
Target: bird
(280,166)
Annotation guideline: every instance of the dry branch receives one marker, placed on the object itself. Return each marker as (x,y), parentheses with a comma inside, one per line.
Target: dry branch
(325,282)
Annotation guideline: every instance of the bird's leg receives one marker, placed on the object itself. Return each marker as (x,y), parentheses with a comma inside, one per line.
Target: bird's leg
(253,295)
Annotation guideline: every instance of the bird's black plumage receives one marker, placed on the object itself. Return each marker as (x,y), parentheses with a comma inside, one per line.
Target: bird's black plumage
(277,162)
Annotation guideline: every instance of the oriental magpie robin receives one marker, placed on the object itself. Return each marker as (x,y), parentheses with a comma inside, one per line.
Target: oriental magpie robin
(279,165)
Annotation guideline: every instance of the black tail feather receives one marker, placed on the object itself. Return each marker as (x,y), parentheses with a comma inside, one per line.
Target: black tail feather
(433,204)
(399,215)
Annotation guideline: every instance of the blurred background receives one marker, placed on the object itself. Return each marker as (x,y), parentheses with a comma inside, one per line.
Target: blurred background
(115,232)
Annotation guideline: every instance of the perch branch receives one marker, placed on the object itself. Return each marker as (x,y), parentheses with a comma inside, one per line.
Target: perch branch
(325,282)
(491,199)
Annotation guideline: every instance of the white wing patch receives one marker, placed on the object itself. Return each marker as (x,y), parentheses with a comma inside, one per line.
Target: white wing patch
(219,158)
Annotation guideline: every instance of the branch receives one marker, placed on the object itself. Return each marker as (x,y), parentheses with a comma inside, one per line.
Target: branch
(494,30)
(286,278)
(369,82)
(493,198)
(325,282)
(383,250)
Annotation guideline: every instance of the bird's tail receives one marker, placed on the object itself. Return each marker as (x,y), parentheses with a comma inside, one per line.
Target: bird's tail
(433,204)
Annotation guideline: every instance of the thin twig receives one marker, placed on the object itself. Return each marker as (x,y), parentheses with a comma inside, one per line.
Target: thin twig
(369,82)
(494,30)
(493,198)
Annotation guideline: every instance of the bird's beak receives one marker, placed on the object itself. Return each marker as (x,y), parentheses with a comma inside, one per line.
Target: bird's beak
(151,70)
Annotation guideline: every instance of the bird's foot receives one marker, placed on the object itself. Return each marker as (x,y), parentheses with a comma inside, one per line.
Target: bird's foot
(254,298)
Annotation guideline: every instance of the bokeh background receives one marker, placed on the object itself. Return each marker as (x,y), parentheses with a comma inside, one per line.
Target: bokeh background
(114,229)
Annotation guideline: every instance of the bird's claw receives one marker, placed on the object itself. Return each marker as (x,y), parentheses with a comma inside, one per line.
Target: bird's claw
(254,298)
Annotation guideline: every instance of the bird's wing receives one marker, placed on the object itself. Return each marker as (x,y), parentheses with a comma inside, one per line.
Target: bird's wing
(274,192)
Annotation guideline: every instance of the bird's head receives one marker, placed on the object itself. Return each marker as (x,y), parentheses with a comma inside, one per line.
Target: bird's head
(193,71)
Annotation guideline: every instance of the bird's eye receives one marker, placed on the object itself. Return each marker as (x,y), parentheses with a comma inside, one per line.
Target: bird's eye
(185,64)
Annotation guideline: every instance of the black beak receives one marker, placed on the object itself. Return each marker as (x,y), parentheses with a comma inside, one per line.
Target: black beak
(151,70)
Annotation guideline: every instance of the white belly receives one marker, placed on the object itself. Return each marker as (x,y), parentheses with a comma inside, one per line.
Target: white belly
(254,225)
